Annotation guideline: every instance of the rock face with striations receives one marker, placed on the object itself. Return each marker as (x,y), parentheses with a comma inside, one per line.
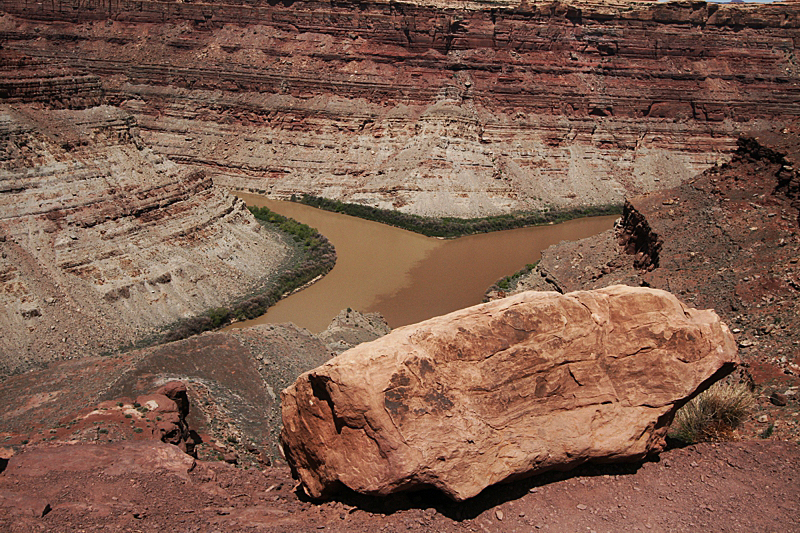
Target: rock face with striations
(103,242)
(515,387)
(431,107)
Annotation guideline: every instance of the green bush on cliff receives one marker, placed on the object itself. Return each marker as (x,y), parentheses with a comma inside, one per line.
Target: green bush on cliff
(218,316)
(509,282)
(300,232)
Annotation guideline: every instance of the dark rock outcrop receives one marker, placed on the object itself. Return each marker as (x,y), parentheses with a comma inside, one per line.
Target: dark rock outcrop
(176,391)
(515,387)
(169,408)
(638,239)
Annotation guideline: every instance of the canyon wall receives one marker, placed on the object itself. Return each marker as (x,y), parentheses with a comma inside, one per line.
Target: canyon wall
(465,109)
(104,242)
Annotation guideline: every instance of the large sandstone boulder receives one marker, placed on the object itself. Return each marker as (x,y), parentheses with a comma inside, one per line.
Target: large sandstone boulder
(511,388)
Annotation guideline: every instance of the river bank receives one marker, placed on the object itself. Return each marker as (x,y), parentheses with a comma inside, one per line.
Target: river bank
(313,257)
(405,276)
(453,227)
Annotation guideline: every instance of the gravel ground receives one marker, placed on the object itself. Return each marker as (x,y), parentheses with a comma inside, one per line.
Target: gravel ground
(736,486)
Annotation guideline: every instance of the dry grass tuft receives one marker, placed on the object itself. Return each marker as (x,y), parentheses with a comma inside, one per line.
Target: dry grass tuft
(713,414)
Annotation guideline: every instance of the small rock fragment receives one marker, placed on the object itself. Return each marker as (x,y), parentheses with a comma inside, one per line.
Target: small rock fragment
(778,399)
(231,458)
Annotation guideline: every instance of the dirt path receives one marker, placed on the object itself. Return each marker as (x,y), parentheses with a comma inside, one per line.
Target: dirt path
(746,486)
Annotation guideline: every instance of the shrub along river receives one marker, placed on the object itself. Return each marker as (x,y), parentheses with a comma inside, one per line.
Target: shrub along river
(405,276)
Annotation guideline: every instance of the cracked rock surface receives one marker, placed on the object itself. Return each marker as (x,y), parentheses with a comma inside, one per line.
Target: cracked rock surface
(515,387)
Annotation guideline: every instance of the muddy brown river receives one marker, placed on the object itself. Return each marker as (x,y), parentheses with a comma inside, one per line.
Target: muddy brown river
(405,276)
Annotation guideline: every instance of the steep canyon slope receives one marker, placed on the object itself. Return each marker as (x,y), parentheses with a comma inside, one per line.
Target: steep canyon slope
(104,241)
(437,108)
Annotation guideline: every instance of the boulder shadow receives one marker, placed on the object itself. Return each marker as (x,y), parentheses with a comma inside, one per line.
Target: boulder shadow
(487,499)
(676,444)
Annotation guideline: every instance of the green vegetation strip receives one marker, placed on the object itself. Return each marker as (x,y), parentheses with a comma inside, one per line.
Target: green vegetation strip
(509,283)
(451,227)
(318,257)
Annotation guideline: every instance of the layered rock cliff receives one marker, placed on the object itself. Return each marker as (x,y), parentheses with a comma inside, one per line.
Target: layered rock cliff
(104,242)
(462,108)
